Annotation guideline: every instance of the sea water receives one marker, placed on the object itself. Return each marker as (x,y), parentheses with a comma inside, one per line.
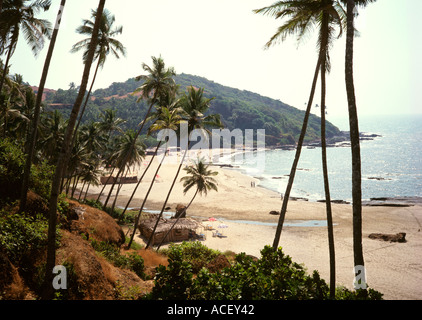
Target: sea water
(391,164)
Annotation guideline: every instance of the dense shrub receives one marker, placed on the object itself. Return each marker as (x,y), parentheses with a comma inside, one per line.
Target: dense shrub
(12,163)
(40,179)
(21,235)
(12,167)
(273,277)
(175,281)
(195,253)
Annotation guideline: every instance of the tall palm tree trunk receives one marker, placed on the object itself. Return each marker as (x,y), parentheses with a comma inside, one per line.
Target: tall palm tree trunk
(33,136)
(9,55)
(168,196)
(128,155)
(177,220)
(355,143)
(145,200)
(140,180)
(297,157)
(324,163)
(88,96)
(81,116)
(118,190)
(81,191)
(87,189)
(52,224)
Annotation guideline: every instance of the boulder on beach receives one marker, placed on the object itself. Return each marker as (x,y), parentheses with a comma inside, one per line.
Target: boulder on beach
(180,211)
(399,237)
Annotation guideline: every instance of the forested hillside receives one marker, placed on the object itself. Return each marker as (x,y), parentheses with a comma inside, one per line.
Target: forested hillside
(238,109)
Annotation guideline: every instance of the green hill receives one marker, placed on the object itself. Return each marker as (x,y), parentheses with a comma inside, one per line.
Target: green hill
(238,109)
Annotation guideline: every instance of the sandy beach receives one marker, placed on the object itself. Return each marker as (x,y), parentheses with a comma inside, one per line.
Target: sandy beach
(394,269)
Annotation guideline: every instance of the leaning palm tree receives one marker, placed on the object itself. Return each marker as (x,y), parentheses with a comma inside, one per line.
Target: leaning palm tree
(164,117)
(106,44)
(168,120)
(194,105)
(17,16)
(158,81)
(303,15)
(354,135)
(64,152)
(32,137)
(200,177)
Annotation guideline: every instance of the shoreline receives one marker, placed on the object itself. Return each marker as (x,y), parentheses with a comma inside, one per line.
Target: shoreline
(394,269)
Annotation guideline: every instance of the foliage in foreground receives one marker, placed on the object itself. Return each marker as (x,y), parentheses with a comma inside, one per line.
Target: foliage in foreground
(273,277)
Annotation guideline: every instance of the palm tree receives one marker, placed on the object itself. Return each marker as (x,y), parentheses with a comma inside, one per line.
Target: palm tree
(106,44)
(64,152)
(110,123)
(33,135)
(107,126)
(194,105)
(15,99)
(169,119)
(52,135)
(131,155)
(17,15)
(354,134)
(158,81)
(166,116)
(201,178)
(303,15)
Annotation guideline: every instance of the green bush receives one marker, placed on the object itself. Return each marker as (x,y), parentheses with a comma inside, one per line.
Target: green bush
(12,163)
(175,281)
(12,167)
(41,178)
(195,253)
(21,235)
(273,277)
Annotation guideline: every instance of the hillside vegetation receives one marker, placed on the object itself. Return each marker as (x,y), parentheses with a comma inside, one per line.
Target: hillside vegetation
(238,108)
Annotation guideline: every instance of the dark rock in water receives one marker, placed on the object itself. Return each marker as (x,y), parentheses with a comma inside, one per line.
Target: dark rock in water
(335,201)
(298,199)
(399,237)
(274,213)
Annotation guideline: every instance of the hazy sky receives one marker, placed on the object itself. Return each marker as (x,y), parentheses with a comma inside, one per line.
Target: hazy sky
(223,40)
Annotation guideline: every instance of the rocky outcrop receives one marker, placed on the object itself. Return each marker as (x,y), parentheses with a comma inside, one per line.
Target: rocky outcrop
(180,211)
(94,223)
